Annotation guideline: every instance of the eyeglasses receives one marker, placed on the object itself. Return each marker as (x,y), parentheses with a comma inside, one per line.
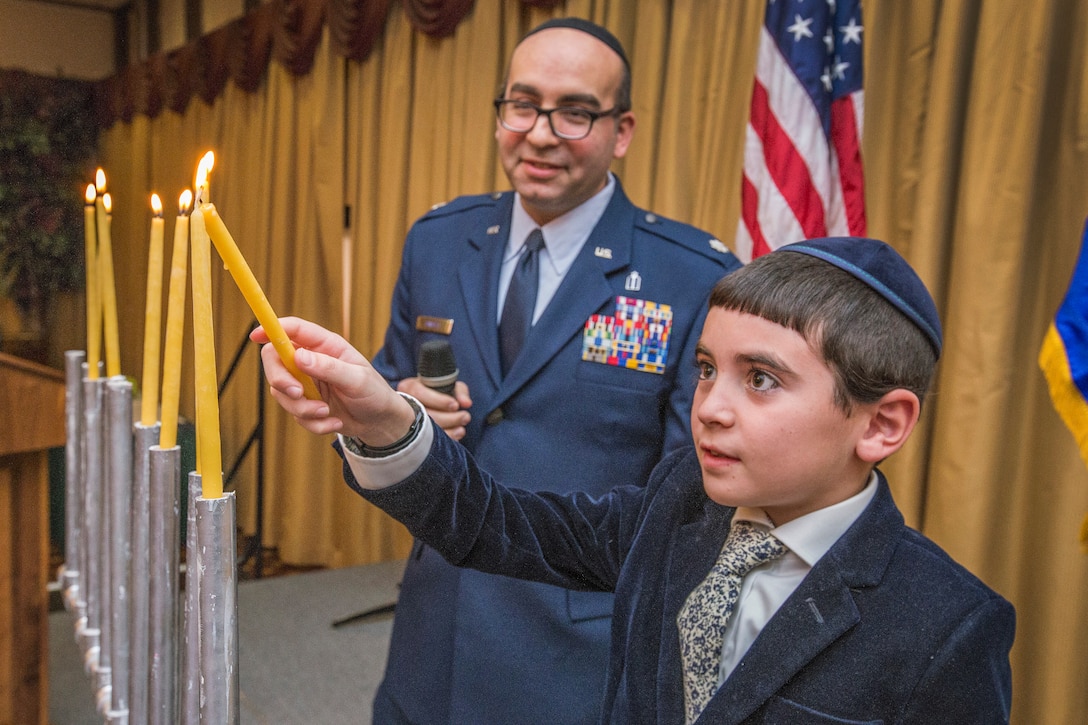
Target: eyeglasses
(566,122)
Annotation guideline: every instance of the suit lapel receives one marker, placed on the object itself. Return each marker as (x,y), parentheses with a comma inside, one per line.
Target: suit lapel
(478,276)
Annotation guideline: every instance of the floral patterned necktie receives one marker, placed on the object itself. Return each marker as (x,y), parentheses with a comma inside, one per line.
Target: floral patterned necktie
(703,618)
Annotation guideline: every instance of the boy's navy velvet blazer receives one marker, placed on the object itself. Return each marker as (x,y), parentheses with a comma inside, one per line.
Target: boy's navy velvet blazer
(886,628)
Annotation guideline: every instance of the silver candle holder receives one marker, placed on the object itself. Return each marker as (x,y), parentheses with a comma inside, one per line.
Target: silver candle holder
(163,565)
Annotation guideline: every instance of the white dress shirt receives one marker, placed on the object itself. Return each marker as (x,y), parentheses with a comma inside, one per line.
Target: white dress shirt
(564,238)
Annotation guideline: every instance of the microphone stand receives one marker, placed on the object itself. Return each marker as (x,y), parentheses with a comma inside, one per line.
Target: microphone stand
(372,613)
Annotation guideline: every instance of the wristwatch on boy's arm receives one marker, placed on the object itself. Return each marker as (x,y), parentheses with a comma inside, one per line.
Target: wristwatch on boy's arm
(381,466)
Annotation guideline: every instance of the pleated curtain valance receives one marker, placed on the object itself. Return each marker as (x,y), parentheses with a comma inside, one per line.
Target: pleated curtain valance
(287,31)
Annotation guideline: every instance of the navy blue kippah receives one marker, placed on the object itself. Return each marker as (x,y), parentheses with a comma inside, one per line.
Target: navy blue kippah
(597,31)
(885,271)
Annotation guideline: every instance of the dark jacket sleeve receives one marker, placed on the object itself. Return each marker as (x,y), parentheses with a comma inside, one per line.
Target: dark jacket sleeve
(969,679)
(570,540)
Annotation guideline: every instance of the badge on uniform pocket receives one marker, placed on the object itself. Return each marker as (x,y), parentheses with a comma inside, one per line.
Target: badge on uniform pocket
(441,325)
(636,337)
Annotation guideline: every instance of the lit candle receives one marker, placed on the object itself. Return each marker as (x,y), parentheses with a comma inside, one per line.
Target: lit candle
(103,206)
(94,304)
(209,453)
(149,403)
(254,295)
(175,325)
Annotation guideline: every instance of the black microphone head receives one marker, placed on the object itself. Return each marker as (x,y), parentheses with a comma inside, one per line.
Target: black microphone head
(437,368)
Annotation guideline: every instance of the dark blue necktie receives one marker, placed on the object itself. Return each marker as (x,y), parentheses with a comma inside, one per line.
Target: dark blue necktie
(517,311)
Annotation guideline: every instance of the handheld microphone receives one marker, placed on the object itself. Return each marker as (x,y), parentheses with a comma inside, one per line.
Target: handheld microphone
(437,368)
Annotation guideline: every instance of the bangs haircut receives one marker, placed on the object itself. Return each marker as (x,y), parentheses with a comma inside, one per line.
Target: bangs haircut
(870,347)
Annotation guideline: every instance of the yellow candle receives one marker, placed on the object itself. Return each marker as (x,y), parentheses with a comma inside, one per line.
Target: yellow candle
(209,453)
(175,325)
(94,305)
(149,403)
(254,295)
(103,206)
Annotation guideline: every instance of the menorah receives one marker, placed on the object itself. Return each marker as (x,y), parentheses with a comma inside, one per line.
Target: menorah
(151,654)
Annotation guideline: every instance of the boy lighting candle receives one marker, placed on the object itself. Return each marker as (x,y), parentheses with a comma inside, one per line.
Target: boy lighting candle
(812,367)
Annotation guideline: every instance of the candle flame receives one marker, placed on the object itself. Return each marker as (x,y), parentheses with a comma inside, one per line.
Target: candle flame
(107,202)
(203,170)
(90,194)
(100,180)
(184,201)
(156,205)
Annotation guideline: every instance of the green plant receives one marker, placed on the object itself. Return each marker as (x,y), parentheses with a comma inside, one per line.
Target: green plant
(48,137)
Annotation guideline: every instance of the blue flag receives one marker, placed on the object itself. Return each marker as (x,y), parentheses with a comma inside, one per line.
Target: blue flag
(1064,360)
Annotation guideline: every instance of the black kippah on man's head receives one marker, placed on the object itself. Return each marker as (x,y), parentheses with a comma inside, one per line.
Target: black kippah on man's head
(597,31)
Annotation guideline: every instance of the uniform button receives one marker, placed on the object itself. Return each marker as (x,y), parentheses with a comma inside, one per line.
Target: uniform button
(495,417)
(496,195)
(651,219)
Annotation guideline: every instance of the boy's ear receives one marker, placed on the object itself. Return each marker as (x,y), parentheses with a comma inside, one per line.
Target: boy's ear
(891,420)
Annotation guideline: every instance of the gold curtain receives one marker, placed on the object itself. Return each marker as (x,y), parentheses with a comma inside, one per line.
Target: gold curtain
(976,141)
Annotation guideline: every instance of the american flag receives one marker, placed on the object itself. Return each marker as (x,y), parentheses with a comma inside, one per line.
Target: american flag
(802,156)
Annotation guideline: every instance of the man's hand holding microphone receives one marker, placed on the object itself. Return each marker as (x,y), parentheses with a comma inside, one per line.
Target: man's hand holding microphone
(444,396)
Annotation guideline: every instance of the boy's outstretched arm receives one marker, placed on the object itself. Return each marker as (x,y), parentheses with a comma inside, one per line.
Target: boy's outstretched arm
(355,400)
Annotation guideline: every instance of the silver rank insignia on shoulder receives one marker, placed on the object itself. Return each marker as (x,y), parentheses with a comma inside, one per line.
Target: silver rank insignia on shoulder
(493,230)
(603,252)
(716,245)
(633,283)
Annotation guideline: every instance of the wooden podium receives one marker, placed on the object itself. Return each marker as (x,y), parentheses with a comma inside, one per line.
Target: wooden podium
(32,420)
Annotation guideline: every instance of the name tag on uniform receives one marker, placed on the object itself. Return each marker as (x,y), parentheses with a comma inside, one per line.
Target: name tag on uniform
(441,325)
(636,337)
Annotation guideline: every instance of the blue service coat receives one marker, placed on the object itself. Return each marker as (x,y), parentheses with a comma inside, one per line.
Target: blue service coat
(886,627)
(473,648)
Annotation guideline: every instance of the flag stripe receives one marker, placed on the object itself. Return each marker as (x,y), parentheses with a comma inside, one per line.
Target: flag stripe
(846,141)
(787,167)
(756,245)
(764,201)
